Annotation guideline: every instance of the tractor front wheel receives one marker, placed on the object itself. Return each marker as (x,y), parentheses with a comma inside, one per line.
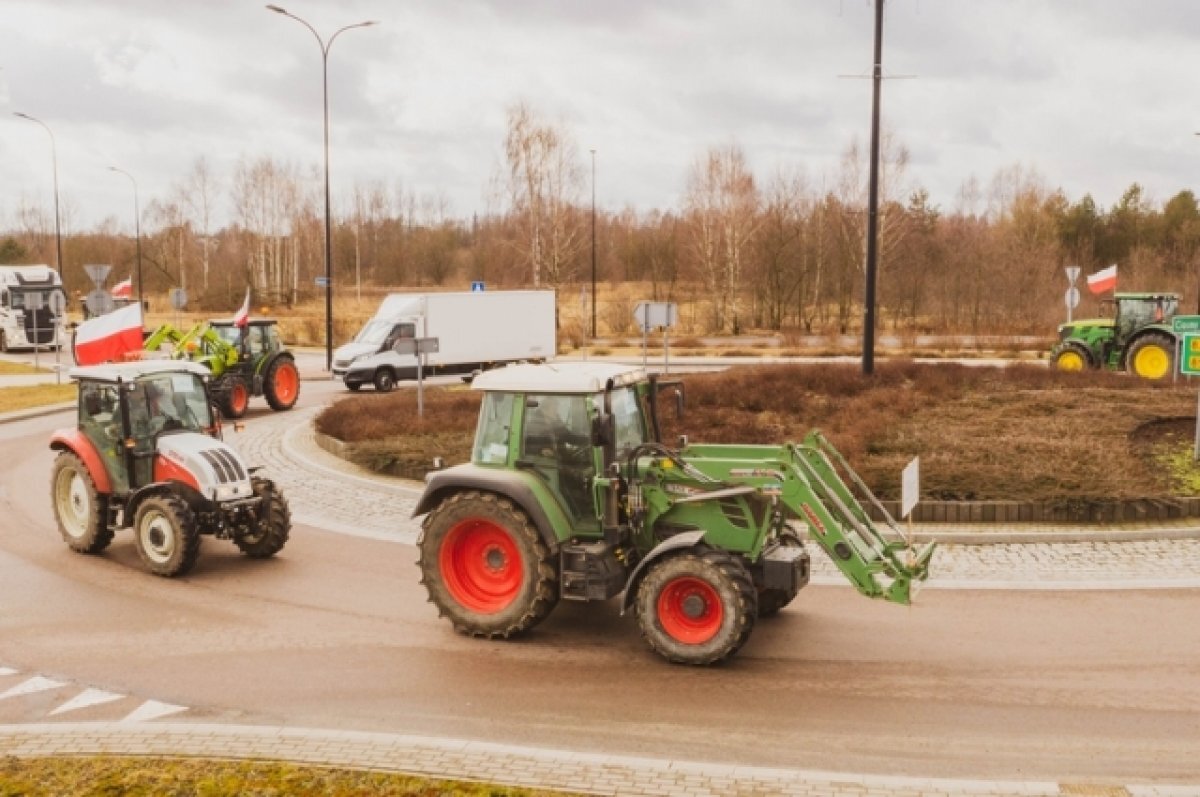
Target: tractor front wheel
(167,537)
(270,533)
(697,607)
(1152,357)
(1073,357)
(79,508)
(485,567)
(235,399)
(282,384)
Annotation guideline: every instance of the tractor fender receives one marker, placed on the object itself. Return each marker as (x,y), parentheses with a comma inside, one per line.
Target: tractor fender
(687,539)
(77,443)
(440,484)
(185,491)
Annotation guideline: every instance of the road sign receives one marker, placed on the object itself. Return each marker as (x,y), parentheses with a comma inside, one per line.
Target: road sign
(1189,359)
(1072,297)
(322,282)
(58,304)
(33,301)
(178,298)
(99,302)
(477,286)
(650,315)
(1072,273)
(416,346)
(910,486)
(98,273)
(1185,323)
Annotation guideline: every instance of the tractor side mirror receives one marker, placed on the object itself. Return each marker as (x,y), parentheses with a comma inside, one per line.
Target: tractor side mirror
(602,430)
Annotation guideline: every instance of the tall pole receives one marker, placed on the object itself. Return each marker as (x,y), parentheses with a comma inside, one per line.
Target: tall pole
(57,228)
(593,243)
(325,45)
(868,357)
(137,226)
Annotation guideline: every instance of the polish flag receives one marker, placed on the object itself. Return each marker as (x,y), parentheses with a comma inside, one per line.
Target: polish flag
(109,337)
(1103,280)
(123,289)
(242,317)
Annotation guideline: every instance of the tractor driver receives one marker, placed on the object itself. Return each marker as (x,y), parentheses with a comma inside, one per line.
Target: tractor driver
(152,410)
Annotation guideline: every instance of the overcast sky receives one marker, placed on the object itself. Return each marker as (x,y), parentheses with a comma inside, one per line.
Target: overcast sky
(1092,94)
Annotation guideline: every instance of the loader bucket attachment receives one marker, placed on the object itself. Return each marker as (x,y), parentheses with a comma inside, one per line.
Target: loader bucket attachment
(879,566)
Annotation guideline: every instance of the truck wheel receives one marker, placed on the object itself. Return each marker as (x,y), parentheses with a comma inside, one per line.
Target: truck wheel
(771,601)
(282,385)
(385,380)
(81,511)
(166,534)
(1152,356)
(354,386)
(235,400)
(697,607)
(1073,357)
(485,567)
(268,536)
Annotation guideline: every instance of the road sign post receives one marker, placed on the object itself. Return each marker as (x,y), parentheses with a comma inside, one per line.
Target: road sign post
(649,315)
(58,309)
(1072,297)
(420,347)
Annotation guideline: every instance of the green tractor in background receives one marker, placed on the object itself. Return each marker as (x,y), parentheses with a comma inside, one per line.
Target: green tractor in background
(244,362)
(570,495)
(1135,336)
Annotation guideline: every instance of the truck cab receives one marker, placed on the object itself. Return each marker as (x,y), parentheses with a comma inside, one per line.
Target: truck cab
(27,296)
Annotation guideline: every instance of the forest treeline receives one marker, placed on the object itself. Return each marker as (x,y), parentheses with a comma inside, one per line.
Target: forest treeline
(784,251)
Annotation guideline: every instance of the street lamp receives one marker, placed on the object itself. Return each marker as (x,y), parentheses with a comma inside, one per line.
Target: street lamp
(593,243)
(137,226)
(325,45)
(57,228)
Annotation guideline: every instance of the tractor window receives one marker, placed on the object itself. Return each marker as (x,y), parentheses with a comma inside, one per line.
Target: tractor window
(551,421)
(628,420)
(272,338)
(255,341)
(169,401)
(98,406)
(495,421)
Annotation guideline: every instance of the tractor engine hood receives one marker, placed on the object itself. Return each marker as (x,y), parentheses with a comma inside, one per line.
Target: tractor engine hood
(1099,323)
(209,465)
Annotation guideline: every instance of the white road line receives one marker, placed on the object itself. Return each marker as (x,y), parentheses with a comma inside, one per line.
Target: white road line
(35,684)
(88,697)
(152,710)
(8,671)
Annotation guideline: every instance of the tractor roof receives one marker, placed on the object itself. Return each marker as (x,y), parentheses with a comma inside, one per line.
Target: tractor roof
(126,372)
(1147,295)
(572,377)
(254,322)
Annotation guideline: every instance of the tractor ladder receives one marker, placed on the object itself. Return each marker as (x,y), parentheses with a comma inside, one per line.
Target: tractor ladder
(878,567)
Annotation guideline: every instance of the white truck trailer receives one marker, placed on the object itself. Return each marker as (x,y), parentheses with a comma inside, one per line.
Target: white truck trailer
(27,318)
(475,331)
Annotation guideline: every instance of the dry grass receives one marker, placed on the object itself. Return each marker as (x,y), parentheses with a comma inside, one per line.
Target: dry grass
(23,398)
(1017,433)
(159,777)
(8,368)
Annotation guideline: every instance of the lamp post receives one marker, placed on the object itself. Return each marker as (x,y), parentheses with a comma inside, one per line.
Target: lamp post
(57,228)
(593,244)
(325,45)
(137,226)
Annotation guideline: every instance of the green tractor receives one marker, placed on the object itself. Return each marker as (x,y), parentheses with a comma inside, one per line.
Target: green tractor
(244,361)
(1135,335)
(570,495)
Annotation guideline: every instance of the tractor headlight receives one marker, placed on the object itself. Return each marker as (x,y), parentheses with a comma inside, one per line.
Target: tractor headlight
(225,492)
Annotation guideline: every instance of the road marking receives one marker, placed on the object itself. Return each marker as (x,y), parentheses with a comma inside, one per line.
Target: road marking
(152,710)
(88,697)
(35,684)
(8,671)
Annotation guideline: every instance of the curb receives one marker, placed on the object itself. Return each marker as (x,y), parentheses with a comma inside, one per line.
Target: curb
(35,412)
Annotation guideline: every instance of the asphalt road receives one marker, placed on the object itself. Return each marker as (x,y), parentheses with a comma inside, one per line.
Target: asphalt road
(336,633)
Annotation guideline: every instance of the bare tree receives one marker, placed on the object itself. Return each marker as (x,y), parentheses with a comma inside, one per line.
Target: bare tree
(267,201)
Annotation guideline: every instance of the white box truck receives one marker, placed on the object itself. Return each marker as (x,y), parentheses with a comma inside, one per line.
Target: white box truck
(475,331)
(28,295)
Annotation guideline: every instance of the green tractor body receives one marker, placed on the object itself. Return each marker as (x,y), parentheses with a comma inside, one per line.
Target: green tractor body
(1134,336)
(571,495)
(244,361)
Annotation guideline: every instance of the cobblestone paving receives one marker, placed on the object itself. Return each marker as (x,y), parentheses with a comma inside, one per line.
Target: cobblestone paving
(327,492)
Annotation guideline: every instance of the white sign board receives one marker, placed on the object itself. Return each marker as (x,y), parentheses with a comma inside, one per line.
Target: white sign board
(650,315)
(910,486)
(1072,298)
(1072,273)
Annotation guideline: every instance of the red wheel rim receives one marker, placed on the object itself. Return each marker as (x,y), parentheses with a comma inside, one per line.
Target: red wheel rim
(690,610)
(286,380)
(239,397)
(481,566)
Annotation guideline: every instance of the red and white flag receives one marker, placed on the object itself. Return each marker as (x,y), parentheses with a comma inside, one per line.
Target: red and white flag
(242,317)
(108,337)
(123,289)
(1103,280)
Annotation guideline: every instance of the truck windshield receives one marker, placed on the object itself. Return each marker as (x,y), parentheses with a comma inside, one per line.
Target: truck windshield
(374,333)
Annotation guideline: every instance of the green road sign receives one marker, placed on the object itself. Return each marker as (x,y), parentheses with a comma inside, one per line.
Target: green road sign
(1185,323)
(1189,360)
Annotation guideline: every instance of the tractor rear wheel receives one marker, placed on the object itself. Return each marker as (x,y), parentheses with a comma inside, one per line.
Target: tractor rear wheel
(270,533)
(485,567)
(1152,356)
(79,508)
(1073,357)
(697,607)
(167,537)
(771,601)
(235,399)
(282,384)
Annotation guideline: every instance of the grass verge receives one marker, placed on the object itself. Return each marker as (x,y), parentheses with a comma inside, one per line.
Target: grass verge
(9,368)
(158,777)
(27,397)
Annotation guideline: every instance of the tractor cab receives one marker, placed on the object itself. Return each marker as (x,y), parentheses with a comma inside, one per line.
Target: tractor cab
(260,338)
(1133,312)
(1134,334)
